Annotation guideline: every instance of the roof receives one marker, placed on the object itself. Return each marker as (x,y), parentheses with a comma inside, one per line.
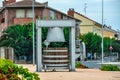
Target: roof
(87,18)
(96,23)
(26,3)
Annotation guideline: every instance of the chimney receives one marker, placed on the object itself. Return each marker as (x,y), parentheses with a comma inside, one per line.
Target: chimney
(7,2)
(71,12)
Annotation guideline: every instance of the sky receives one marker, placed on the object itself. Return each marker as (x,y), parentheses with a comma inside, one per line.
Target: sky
(111,9)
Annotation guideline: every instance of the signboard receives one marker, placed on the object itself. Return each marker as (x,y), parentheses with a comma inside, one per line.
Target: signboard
(111,48)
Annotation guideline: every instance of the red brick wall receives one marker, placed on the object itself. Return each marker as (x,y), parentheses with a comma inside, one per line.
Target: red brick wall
(46,13)
(57,15)
(6,14)
(38,13)
(13,20)
(12,15)
(1,18)
(22,20)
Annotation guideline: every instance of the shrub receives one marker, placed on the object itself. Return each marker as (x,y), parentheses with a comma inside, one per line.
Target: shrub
(109,67)
(11,71)
(79,65)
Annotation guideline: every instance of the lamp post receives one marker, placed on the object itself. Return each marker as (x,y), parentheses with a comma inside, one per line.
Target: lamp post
(33,33)
(102,32)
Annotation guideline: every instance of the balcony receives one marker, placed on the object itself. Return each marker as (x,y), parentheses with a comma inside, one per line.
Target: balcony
(22,20)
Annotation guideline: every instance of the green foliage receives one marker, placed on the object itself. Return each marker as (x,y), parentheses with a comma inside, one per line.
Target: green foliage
(92,41)
(116,46)
(107,42)
(19,37)
(109,67)
(111,42)
(79,65)
(44,35)
(8,70)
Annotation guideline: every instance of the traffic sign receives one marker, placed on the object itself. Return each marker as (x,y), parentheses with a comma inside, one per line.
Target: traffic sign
(111,48)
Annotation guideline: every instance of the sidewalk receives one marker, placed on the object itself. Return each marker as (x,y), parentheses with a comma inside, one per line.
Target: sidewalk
(80,74)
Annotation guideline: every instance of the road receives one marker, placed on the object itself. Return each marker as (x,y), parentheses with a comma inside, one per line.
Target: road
(97,63)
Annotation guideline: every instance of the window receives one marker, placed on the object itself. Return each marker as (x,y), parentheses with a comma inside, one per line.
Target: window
(20,13)
(65,17)
(2,20)
(29,14)
(52,15)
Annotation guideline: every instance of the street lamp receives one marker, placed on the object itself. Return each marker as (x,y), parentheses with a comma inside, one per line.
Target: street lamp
(33,33)
(102,31)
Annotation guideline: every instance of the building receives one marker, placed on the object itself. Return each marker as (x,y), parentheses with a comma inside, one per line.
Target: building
(89,25)
(20,12)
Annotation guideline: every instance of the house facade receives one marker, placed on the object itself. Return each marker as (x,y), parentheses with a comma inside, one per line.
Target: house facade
(20,12)
(89,25)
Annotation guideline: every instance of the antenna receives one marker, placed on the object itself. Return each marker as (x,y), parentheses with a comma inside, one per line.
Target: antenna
(85,7)
(105,21)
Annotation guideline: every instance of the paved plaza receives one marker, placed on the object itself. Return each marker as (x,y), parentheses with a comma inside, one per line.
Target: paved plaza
(79,74)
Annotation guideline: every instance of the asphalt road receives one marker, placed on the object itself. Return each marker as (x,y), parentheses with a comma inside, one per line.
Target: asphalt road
(97,63)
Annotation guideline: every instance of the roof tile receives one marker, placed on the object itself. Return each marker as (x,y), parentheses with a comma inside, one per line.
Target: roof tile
(26,3)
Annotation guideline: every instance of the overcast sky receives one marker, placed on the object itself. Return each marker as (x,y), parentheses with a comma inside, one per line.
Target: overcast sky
(93,10)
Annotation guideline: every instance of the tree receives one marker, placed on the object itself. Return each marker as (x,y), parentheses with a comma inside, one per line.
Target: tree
(116,46)
(92,41)
(107,43)
(19,37)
